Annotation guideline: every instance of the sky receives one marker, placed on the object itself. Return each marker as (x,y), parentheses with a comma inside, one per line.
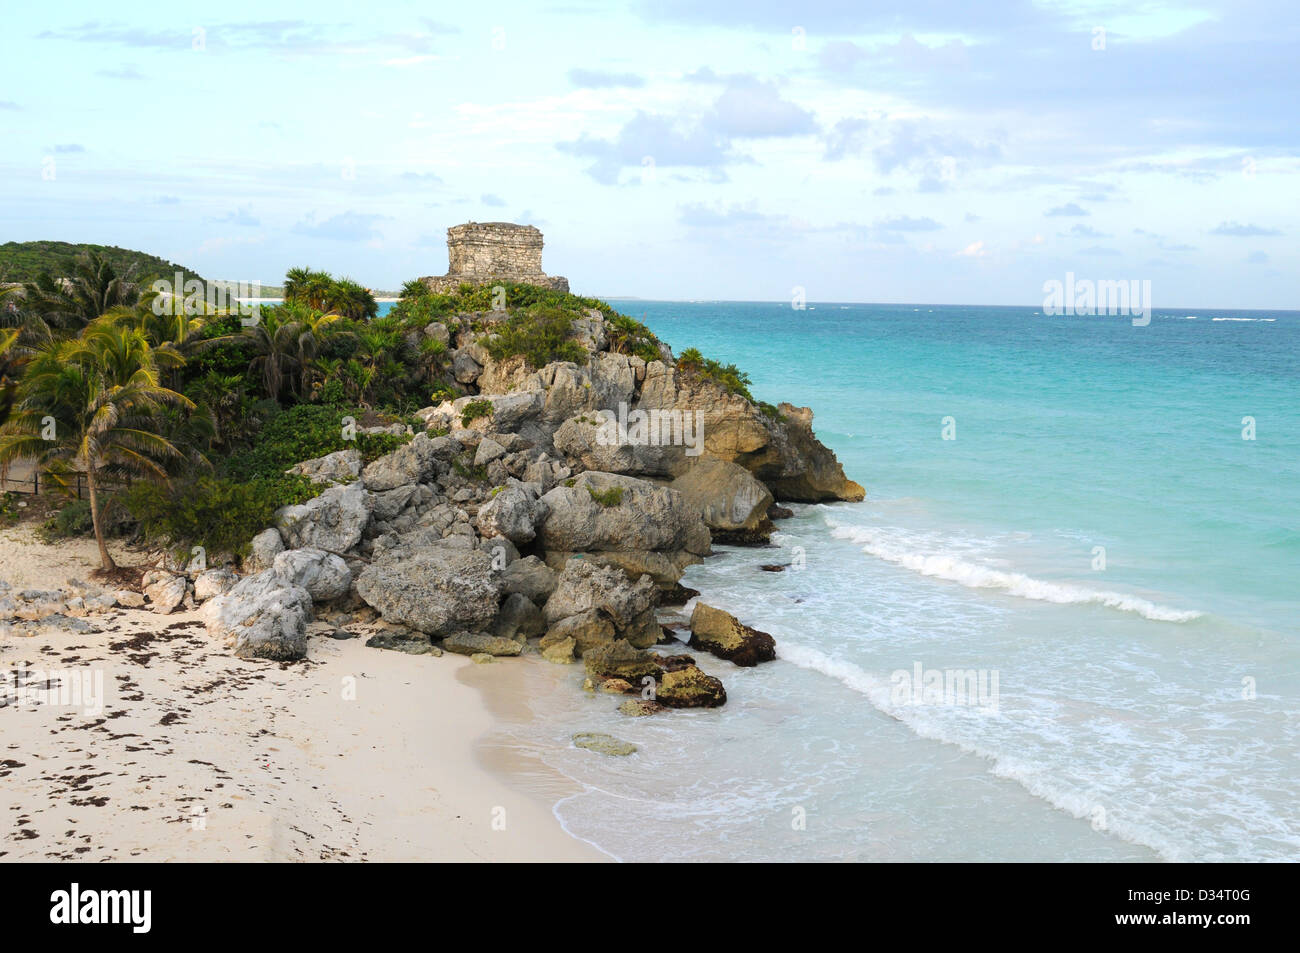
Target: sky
(936,151)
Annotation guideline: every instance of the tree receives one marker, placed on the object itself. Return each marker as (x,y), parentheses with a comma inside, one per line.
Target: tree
(90,288)
(94,404)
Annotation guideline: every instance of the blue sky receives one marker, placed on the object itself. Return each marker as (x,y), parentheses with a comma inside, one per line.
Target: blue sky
(912,151)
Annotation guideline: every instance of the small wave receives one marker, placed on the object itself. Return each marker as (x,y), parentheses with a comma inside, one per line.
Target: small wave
(1268,320)
(974,576)
(1029,776)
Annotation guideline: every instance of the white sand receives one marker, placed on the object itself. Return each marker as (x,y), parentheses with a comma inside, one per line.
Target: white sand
(357,753)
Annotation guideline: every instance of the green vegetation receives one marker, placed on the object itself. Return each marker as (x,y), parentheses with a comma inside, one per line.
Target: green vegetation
(729,377)
(607,498)
(74,519)
(540,335)
(24,261)
(474,410)
(183,419)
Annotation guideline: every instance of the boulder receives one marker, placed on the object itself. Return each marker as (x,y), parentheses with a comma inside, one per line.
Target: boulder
(584,587)
(620,659)
(529,577)
(418,461)
(265,547)
(333,521)
(465,368)
(607,511)
(436,589)
(723,635)
(731,502)
(261,617)
(560,651)
(586,630)
(689,687)
(604,744)
(511,513)
(342,466)
(474,643)
(324,575)
(214,582)
(518,619)
(164,590)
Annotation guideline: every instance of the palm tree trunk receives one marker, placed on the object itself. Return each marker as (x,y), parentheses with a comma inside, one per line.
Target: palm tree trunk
(104,557)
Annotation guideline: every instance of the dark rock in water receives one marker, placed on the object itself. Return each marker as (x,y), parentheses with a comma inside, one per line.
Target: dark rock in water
(690,688)
(341,634)
(602,743)
(759,536)
(778,512)
(723,635)
(774,567)
(674,663)
(677,595)
(412,643)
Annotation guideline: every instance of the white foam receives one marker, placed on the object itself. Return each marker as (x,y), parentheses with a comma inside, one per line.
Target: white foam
(1027,774)
(1269,320)
(974,576)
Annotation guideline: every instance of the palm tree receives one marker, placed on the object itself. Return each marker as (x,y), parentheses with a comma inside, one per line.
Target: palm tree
(352,300)
(91,287)
(94,403)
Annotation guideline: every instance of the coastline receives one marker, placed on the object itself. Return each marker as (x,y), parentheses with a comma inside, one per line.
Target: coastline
(199,755)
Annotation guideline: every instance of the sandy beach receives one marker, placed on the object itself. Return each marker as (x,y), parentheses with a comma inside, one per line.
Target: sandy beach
(354,754)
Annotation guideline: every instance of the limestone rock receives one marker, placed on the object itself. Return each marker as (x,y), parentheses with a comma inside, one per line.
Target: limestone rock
(471,643)
(529,577)
(586,630)
(265,547)
(342,466)
(604,744)
(165,590)
(333,521)
(730,501)
(261,618)
(723,635)
(214,582)
(436,589)
(510,513)
(607,511)
(324,575)
(689,687)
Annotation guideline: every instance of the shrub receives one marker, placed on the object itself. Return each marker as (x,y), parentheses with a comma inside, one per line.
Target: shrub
(729,377)
(73,520)
(540,335)
(474,410)
(302,433)
(220,514)
(629,336)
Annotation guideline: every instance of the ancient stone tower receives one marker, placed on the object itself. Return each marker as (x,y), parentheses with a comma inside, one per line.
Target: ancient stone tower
(480,253)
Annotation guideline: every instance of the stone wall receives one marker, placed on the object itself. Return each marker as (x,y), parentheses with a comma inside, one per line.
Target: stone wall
(483,252)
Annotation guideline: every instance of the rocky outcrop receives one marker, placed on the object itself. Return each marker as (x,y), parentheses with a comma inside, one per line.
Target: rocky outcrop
(342,466)
(437,589)
(333,521)
(324,575)
(510,513)
(721,634)
(689,687)
(265,546)
(164,590)
(214,582)
(732,503)
(475,643)
(594,595)
(614,514)
(261,617)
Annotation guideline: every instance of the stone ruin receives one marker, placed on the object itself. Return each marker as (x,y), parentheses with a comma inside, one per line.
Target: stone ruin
(480,253)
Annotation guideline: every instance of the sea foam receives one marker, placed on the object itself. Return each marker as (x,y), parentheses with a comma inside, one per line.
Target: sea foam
(974,576)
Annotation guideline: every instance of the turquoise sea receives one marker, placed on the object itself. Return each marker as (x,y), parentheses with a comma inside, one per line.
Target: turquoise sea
(1099,536)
